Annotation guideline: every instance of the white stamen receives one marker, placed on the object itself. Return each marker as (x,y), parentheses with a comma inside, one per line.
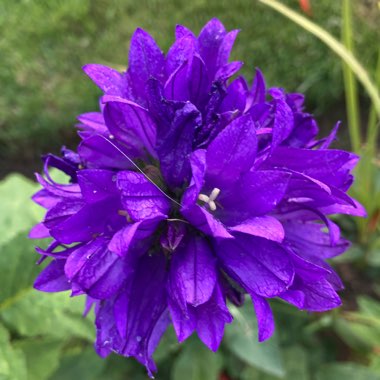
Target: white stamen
(212,205)
(210,200)
(214,194)
(203,198)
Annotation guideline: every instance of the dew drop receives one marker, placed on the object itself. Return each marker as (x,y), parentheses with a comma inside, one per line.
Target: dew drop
(138,338)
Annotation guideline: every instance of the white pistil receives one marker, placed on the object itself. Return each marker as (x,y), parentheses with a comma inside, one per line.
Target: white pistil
(210,199)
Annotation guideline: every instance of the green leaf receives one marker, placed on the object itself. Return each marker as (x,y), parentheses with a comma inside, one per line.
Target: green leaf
(85,365)
(361,329)
(354,334)
(42,357)
(369,306)
(374,253)
(18,212)
(296,363)
(241,338)
(296,366)
(167,346)
(345,371)
(55,315)
(12,361)
(18,268)
(196,362)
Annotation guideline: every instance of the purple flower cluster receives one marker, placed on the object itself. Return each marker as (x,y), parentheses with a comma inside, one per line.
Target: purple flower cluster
(189,189)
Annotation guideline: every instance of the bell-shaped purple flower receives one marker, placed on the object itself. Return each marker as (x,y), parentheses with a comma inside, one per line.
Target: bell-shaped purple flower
(189,189)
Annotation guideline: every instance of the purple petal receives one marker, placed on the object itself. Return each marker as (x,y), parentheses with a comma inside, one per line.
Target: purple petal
(184,323)
(181,31)
(108,80)
(145,60)
(319,295)
(331,167)
(307,269)
(205,222)
(304,131)
(132,234)
(140,197)
(310,239)
(60,190)
(96,184)
(232,152)
(226,47)
(259,192)
(193,269)
(174,146)
(264,315)
(283,122)
(267,227)
(61,212)
(182,50)
(236,96)
(227,71)
(258,91)
(46,199)
(211,318)
(145,310)
(89,221)
(52,278)
(98,152)
(357,210)
(198,81)
(177,85)
(210,40)
(208,319)
(39,231)
(130,124)
(331,137)
(94,122)
(96,270)
(259,265)
(198,168)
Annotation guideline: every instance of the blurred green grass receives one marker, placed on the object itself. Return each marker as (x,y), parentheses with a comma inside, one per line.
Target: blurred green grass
(43,45)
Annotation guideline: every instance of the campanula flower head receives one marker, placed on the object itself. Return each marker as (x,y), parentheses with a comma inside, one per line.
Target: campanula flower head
(192,188)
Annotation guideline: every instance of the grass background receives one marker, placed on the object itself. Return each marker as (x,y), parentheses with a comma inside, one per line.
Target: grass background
(43,45)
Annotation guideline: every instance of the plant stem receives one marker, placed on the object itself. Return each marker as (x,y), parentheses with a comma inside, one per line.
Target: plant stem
(350,85)
(374,120)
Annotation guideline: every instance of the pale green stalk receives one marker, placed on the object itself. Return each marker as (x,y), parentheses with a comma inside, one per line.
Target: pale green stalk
(374,120)
(350,85)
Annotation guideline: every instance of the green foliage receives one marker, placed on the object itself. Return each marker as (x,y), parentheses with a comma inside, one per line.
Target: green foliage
(346,371)
(15,215)
(12,360)
(241,339)
(361,329)
(42,356)
(196,362)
